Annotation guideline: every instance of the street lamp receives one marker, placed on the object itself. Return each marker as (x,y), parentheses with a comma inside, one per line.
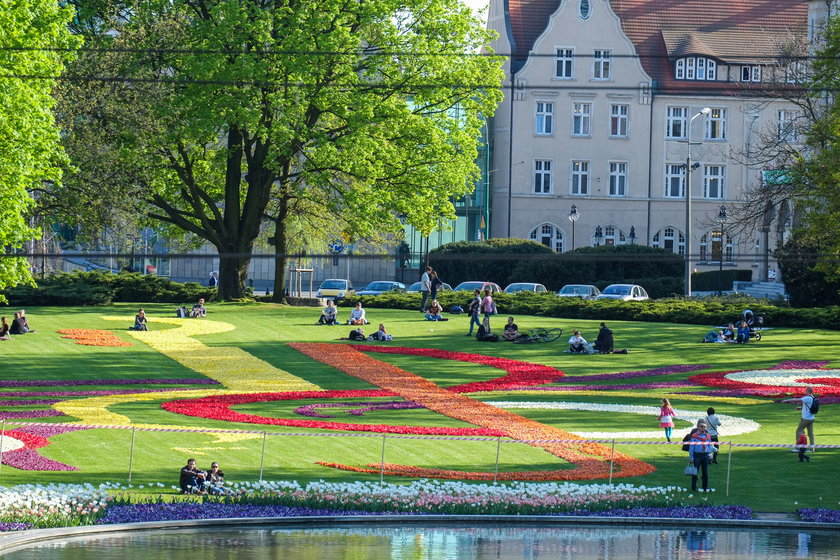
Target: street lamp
(688,169)
(573,217)
(721,218)
(599,235)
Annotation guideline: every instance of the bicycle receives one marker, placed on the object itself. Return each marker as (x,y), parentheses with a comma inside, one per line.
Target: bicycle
(539,335)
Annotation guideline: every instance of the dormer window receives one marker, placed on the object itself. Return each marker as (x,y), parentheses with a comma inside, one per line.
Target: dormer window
(695,68)
(750,73)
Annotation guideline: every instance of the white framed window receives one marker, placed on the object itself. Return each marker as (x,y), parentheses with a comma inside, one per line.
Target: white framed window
(695,68)
(614,236)
(564,63)
(716,124)
(601,66)
(713,177)
(584,9)
(751,73)
(716,245)
(676,123)
(619,120)
(544,118)
(787,130)
(674,180)
(542,176)
(548,235)
(580,177)
(581,119)
(618,178)
(670,239)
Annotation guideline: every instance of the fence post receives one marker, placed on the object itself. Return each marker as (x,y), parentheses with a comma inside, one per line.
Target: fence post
(2,438)
(728,467)
(131,455)
(382,463)
(262,457)
(612,456)
(498,451)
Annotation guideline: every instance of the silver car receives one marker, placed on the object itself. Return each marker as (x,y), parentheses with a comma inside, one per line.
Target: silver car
(525,287)
(585,291)
(624,292)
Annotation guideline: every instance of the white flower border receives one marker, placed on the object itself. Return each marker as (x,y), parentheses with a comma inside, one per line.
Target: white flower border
(783,377)
(730,425)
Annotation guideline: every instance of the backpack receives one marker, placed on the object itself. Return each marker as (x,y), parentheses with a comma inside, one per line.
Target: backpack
(686,438)
(456,309)
(815,406)
(181,312)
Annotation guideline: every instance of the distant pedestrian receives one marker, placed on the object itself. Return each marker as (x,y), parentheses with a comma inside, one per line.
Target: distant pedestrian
(809,406)
(435,284)
(712,425)
(474,309)
(666,418)
(425,288)
(487,304)
(214,279)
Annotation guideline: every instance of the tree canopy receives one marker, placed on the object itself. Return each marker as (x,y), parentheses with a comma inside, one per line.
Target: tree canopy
(30,154)
(224,115)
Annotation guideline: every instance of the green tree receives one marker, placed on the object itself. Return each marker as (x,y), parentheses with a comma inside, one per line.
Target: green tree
(226,114)
(34,46)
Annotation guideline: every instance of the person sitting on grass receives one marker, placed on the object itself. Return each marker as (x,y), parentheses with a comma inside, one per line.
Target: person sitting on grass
(198,310)
(24,322)
(577,343)
(4,329)
(604,343)
(216,480)
(743,335)
(139,321)
(511,330)
(193,479)
(18,326)
(357,315)
(328,314)
(434,312)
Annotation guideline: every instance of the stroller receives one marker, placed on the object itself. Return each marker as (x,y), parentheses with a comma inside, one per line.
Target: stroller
(755,323)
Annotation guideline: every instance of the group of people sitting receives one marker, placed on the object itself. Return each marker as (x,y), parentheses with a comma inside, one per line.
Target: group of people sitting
(197,481)
(739,334)
(19,325)
(329,315)
(602,345)
(380,335)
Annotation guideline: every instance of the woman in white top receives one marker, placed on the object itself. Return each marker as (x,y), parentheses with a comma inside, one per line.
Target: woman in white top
(357,315)
(712,424)
(577,343)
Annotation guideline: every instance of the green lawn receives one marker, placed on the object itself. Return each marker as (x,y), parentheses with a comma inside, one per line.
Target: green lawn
(766,479)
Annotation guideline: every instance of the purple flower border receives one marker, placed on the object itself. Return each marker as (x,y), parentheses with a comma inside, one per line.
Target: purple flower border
(141,381)
(30,459)
(819,515)
(667,370)
(17,414)
(360,410)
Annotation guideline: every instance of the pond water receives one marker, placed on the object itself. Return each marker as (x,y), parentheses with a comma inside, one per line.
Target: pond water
(452,542)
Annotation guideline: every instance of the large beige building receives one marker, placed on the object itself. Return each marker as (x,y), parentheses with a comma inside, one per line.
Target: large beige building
(600,100)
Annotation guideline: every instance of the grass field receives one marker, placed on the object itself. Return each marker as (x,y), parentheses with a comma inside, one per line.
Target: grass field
(246,348)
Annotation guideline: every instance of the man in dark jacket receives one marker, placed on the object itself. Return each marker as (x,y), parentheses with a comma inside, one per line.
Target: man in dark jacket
(604,342)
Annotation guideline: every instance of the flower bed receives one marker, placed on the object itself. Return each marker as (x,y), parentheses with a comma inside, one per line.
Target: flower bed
(53,505)
(93,337)
(819,515)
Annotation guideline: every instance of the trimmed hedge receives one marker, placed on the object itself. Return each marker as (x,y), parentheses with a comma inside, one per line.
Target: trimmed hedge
(505,261)
(103,288)
(712,280)
(708,312)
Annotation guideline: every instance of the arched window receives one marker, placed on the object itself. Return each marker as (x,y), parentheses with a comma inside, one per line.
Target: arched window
(670,239)
(714,243)
(584,9)
(549,235)
(614,236)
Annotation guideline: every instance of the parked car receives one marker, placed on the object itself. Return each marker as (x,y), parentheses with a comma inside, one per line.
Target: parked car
(416,287)
(477,285)
(624,292)
(525,287)
(380,287)
(585,291)
(335,288)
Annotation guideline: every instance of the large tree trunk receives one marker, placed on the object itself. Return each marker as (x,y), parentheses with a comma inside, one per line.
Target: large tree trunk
(280,252)
(233,273)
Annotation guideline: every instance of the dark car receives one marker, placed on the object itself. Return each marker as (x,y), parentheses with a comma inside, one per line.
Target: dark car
(380,287)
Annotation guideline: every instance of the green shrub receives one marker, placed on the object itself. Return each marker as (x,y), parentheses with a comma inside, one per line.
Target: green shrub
(713,280)
(103,288)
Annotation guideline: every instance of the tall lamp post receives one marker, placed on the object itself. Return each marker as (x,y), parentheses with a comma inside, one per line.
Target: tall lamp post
(721,219)
(688,170)
(573,217)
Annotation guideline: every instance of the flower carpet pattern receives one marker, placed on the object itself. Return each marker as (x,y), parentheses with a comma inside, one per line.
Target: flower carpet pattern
(788,379)
(93,337)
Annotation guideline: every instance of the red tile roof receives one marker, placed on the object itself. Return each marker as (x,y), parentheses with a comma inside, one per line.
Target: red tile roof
(730,30)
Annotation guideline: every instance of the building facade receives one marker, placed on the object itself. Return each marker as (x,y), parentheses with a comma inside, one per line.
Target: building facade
(606,100)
